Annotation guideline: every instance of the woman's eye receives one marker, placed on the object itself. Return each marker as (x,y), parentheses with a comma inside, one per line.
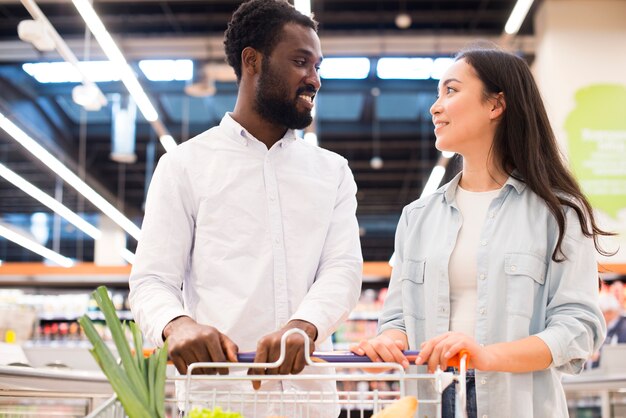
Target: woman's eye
(449,90)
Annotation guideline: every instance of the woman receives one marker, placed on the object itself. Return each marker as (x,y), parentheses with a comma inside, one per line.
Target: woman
(501,260)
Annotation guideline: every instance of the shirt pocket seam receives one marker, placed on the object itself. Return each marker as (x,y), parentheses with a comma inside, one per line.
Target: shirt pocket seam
(412,281)
(525,264)
(524,271)
(413,270)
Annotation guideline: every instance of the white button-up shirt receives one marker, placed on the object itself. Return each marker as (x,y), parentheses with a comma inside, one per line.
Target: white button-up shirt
(253,237)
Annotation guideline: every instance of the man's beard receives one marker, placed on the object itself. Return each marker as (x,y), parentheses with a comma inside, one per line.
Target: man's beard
(272,101)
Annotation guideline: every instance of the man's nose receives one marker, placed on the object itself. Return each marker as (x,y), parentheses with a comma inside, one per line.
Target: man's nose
(313,79)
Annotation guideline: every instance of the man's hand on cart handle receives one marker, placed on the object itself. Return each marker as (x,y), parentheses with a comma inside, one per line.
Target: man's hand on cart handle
(268,350)
(190,342)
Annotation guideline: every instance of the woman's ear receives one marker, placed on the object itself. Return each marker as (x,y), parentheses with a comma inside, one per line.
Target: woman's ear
(250,61)
(498,106)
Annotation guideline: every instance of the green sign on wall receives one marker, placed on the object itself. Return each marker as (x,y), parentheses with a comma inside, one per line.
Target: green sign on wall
(596,131)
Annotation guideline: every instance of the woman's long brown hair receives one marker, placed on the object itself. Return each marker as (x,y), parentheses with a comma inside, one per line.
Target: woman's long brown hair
(525,144)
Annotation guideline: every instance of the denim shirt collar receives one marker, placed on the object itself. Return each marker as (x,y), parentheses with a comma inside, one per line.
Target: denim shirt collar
(448,191)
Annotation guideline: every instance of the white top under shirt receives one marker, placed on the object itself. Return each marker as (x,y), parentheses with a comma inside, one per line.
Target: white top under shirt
(462,268)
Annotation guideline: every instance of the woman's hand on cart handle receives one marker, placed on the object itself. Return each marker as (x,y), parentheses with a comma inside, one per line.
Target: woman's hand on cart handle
(387,347)
(447,349)
(190,342)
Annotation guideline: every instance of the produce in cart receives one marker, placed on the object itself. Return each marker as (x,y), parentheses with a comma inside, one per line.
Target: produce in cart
(214,413)
(138,382)
(402,408)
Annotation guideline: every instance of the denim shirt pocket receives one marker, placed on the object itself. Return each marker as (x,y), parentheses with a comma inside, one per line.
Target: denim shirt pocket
(525,273)
(412,279)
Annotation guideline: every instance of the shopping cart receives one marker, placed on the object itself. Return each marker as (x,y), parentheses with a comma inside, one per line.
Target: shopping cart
(358,394)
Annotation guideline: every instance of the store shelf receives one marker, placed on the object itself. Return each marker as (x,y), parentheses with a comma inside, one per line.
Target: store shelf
(364,315)
(95,316)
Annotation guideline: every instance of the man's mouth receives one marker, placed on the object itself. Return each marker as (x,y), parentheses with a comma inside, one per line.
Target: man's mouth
(306,98)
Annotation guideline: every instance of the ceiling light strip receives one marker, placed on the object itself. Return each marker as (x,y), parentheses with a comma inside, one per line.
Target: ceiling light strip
(439,170)
(517,16)
(61,47)
(127,75)
(50,202)
(35,247)
(69,177)
(115,55)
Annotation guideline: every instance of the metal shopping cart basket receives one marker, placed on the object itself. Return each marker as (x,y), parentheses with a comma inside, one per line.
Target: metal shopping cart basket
(358,393)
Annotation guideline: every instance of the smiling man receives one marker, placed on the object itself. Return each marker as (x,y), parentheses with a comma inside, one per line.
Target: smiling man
(250,231)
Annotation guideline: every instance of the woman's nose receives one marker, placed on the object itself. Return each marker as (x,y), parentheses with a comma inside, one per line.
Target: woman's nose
(435,108)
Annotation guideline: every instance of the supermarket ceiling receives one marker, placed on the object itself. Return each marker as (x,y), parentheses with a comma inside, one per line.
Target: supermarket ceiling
(358,119)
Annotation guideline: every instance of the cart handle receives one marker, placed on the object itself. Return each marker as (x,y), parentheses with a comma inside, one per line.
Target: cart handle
(350,357)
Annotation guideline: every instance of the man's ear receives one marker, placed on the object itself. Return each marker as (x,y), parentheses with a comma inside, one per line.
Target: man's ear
(250,61)
(498,106)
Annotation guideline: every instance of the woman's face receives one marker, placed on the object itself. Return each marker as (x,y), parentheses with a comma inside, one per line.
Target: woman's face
(464,120)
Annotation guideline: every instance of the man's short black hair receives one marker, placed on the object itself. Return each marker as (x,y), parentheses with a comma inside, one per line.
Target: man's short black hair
(258,24)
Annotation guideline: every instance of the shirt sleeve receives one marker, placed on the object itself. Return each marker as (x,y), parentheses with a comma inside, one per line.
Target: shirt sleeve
(337,284)
(575,327)
(392,316)
(162,256)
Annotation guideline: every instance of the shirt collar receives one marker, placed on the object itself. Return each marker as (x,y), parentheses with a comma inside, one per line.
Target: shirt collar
(449,190)
(239,134)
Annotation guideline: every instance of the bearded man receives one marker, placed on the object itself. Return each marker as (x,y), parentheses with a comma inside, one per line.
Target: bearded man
(248,230)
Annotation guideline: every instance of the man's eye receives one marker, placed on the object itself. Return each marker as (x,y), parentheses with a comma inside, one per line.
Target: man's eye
(300,62)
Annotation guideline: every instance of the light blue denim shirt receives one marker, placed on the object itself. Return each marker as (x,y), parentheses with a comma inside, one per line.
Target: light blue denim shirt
(520,291)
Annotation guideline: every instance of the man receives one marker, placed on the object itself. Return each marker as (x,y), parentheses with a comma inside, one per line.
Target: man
(615,324)
(257,227)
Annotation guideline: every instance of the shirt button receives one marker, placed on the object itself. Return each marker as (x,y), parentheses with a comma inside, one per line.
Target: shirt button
(277,240)
(485,416)
(272,197)
(492,215)
(483,242)
(482,277)
(513,268)
(442,309)
(482,311)
(483,382)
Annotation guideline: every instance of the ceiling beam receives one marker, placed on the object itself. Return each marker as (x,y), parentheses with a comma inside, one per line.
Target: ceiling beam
(212,48)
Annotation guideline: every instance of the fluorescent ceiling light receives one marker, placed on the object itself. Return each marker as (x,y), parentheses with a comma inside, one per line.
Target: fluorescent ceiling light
(440,66)
(345,68)
(50,202)
(115,55)
(168,142)
(68,176)
(303,6)
(63,50)
(517,16)
(31,245)
(434,180)
(128,255)
(167,70)
(65,72)
(404,68)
